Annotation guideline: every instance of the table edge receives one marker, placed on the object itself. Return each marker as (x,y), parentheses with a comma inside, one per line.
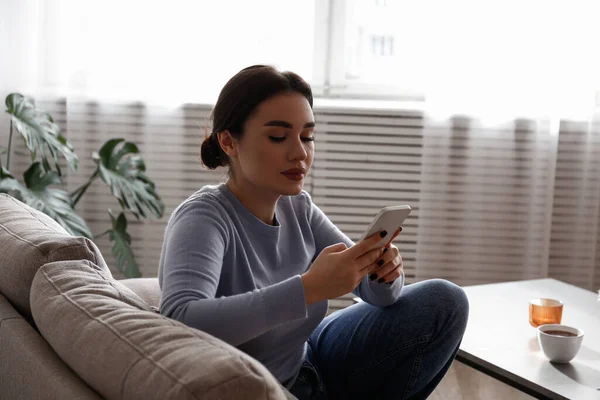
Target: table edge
(507,377)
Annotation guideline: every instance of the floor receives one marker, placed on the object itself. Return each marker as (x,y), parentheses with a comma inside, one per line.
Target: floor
(465,383)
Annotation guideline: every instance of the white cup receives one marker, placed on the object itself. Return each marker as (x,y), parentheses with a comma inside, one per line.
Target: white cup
(559,349)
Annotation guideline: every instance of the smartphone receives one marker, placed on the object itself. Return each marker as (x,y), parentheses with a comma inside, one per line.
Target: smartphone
(388,219)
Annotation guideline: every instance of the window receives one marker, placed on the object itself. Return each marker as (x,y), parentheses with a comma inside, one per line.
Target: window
(373,52)
(460,53)
(463,52)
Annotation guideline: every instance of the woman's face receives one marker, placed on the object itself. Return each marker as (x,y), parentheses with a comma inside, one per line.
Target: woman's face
(276,150)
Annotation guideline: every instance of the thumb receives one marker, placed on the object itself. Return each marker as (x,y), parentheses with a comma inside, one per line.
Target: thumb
(335,248)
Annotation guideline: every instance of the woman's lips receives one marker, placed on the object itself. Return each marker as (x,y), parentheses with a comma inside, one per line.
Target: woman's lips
(294,176)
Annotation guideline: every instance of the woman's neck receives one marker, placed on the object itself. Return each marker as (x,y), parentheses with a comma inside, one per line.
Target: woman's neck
(259,202)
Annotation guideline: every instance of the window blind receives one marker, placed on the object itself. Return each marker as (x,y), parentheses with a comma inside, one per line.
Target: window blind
(490,203)
(486,201)
(366,161)
(574,250)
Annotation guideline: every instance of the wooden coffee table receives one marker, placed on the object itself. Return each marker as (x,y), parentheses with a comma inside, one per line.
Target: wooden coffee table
(500,342)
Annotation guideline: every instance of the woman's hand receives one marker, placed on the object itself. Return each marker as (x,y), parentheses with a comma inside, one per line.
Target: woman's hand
(389,267)
(339,269)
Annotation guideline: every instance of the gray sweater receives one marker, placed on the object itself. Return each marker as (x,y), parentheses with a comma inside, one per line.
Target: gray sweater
(225,272)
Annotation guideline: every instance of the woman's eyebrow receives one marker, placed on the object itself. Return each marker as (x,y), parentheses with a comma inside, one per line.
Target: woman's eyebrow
(285,124)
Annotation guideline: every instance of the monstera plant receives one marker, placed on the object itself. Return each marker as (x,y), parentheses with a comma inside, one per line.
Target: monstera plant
(118,164)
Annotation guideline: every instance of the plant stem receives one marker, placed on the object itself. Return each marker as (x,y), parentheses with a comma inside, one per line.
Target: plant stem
(102,234)
(9,144)
(76,195)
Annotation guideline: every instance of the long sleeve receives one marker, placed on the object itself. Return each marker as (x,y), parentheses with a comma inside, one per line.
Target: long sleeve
(191,266)
(326,234)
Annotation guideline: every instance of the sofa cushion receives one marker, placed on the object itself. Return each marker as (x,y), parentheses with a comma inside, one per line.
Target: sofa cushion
(147,288)
(25,354)
(30,239)
(108,336)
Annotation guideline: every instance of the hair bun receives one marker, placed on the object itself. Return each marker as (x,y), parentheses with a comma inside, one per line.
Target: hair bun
(210,152)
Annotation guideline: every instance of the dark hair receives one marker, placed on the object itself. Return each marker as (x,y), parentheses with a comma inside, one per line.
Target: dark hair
(239,98)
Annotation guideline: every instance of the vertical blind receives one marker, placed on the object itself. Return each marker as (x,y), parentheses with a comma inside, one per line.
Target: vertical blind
(574,245)
(490,203)
(486,201)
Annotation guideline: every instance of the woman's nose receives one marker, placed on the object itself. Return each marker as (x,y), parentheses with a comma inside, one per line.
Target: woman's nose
(298,152)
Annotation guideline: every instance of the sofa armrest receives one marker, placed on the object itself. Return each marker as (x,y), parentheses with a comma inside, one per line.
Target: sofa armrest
(110,337)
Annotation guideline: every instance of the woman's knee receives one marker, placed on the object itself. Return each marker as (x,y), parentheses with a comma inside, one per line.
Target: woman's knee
(449,297)
(450,292)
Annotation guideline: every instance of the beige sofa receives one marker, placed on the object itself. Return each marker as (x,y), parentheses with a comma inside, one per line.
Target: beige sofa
(68,330)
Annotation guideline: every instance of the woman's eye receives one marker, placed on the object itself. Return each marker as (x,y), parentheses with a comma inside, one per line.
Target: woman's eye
(278,139)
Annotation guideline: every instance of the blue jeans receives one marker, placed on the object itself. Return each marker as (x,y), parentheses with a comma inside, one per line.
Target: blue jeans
(397,352)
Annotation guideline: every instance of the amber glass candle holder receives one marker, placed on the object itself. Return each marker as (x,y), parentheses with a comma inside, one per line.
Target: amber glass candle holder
(545,311)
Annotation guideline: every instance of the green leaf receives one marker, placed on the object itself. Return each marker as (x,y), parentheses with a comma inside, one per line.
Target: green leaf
(54,202)
(122,168)
(4,173)
(121,247)
(41,134)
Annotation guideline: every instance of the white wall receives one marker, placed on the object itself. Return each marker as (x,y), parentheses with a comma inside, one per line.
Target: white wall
(19,67)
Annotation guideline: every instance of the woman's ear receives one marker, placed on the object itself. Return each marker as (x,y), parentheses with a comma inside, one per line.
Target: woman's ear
(228,143)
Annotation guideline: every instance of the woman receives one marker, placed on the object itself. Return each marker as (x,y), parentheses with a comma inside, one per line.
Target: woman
(253,261)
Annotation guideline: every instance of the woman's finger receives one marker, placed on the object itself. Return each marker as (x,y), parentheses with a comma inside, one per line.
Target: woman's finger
(386,256)
(386,264)
(393,275)
(365,261)
(394,236)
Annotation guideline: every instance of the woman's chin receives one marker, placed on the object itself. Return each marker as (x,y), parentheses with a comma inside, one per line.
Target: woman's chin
(292,190)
